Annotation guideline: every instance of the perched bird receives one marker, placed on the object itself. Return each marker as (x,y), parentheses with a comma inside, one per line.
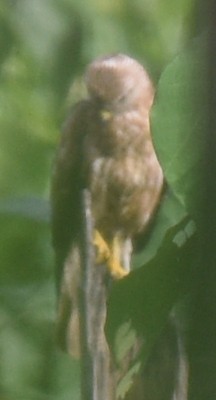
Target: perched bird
(106,147)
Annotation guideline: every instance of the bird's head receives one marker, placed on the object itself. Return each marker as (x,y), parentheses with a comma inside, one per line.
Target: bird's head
(118,82)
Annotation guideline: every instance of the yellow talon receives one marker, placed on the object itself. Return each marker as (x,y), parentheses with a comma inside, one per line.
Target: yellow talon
(114,264)
(103,252)
(115,268)
(111,255)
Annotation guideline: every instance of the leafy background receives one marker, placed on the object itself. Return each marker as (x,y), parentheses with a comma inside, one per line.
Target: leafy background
(45,46)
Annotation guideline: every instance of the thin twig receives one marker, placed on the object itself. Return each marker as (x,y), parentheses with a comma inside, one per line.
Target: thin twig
(96,375)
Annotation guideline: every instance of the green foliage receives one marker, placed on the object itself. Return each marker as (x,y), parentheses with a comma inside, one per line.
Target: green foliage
(179,123)
(45,45)
(146,297)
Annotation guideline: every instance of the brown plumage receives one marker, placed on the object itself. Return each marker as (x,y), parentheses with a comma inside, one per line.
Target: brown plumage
(106,146)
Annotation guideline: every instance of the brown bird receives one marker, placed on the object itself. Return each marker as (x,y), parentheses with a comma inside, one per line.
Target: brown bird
(106,146)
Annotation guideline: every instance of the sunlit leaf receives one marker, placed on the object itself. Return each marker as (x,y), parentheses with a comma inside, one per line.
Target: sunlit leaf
(179,124)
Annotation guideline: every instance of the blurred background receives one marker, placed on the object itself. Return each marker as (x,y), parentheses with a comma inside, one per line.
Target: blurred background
(45,46)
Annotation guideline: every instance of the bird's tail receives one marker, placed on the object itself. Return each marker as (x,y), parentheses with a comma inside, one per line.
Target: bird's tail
(68,326)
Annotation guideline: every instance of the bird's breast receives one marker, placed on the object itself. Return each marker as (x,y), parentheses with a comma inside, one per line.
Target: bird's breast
(125,191)
(124,176)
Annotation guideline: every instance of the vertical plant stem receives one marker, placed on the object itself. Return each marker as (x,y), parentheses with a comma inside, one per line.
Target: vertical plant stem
(96,375)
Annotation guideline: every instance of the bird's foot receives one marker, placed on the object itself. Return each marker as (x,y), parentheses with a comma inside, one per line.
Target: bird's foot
(114,262)
(109,255)
(115,268)
(103,251)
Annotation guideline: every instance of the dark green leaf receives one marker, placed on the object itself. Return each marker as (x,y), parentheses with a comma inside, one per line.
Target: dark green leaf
(145,298)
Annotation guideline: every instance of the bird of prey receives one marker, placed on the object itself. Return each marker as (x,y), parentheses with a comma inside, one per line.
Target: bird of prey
(106,147)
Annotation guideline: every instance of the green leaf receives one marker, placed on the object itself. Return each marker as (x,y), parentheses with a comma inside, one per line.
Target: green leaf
(148,294)
(179,124)
(127,381)
(170,213)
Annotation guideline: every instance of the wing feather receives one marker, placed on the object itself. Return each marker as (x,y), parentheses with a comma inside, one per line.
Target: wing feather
(66,185)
